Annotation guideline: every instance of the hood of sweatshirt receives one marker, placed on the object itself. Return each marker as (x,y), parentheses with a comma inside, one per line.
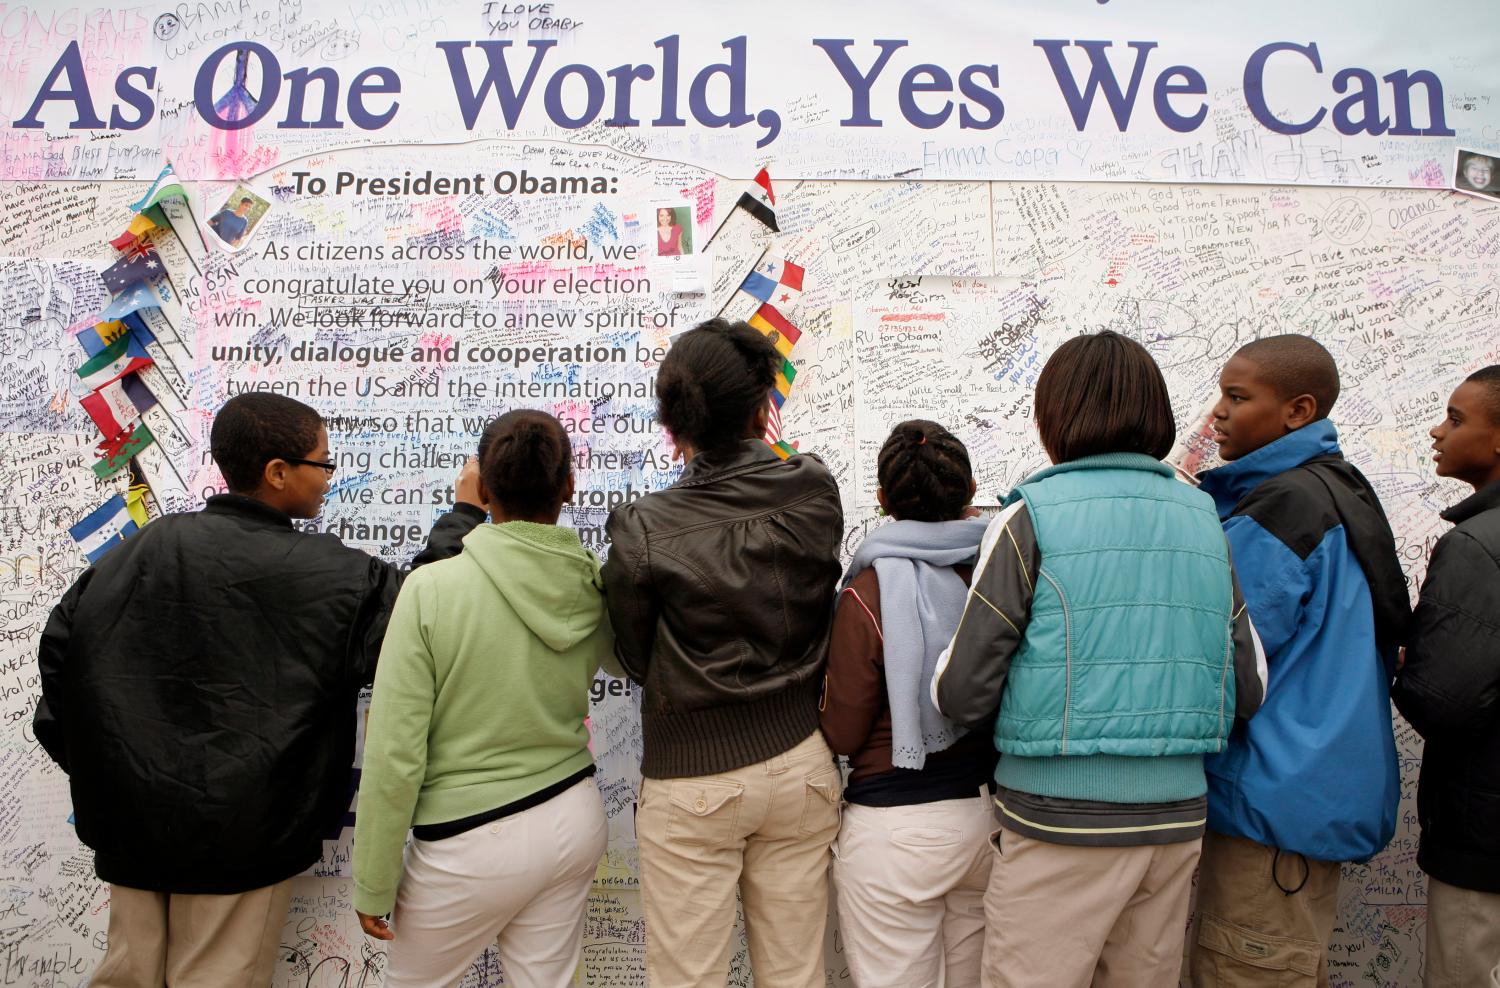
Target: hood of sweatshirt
(546,575)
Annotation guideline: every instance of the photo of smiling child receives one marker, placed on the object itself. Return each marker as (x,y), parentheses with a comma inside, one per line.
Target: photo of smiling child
(1477,172)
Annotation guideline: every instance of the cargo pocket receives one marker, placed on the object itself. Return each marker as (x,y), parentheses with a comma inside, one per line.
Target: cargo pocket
(1241,958)
(703,812)
(820,804)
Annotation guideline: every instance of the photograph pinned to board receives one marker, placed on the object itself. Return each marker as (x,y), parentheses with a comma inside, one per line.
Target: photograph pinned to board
(1477,172)
(232,223)
(674,229)
(676,249)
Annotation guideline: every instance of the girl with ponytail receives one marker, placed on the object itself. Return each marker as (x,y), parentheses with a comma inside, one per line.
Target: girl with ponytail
(477,741)
(720,591)
(912,859)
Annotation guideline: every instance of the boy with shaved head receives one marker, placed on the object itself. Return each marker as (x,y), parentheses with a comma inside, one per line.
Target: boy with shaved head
(1449,689)
(1312,780)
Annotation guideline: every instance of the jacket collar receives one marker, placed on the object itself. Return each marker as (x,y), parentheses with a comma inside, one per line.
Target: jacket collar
(1229,484)
(246,507)
(1104,461)
(1484,499)
(750,454)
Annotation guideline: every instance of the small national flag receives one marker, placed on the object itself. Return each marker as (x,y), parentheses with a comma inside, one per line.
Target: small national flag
(95,338)
(778,330)
(166,186)
(783,449)
(775,281)
(117,405)
(139,266)
(124,356)
(135,503)
(759,201)
(143,223)
(783,385)
(104,528)
(119,450)
(143,295)
(631,221)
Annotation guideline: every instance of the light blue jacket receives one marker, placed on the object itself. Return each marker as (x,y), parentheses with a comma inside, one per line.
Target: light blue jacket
(1315,771)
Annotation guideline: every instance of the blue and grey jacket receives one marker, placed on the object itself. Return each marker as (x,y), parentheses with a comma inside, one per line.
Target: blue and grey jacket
(1315,772)
(1104,622)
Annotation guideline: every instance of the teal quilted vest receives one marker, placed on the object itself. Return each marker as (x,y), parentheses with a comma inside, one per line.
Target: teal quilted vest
(1128,651)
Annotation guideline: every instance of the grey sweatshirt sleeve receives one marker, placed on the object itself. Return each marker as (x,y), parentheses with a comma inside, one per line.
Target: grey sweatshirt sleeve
(971,671)
(1249,658)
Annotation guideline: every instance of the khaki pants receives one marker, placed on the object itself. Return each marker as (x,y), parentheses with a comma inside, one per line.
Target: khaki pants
(522,881)
(1250,931)
(192,941)
(1463,936)
(911,883)
(1061,916)
(765,828)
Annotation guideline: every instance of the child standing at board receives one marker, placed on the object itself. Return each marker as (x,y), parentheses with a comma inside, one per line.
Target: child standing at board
(205,675)
(721,594)
(1104,622)
(912,859)
(477,740)
(1449,689)
(1312,781)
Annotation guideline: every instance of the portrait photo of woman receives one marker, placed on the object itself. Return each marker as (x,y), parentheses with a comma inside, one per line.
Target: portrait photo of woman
(674,232)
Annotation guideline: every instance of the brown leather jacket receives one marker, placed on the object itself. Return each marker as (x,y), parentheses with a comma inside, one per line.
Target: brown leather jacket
(720,590)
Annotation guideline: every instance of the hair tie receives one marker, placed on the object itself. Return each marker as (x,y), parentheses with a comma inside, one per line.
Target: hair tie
(922,441)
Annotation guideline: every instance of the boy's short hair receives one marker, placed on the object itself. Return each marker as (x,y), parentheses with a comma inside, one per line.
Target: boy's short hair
(253,429)
(1293,364)
(247,199)
(1103,394)
(1488,379)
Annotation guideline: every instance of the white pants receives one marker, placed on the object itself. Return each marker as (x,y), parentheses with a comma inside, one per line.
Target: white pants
(911,882)
(523,878)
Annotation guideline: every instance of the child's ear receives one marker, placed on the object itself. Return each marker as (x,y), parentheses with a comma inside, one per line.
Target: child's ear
(880,500)
(1300,411)
(568,489)
(973,489)
(274,474)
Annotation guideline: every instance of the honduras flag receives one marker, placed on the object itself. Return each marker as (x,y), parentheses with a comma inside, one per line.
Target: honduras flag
(104,528)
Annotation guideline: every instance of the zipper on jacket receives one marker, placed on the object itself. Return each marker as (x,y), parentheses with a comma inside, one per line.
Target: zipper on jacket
(1067,656)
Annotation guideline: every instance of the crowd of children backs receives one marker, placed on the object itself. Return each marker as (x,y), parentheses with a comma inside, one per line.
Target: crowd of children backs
(1053,715)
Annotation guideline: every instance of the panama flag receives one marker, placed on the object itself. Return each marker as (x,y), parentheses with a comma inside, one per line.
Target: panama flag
(759,201)
(774,280)
(104,528)
(124,356)
(117,405)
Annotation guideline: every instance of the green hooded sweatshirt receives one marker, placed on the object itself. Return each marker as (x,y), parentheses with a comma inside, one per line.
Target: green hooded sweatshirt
(481,692)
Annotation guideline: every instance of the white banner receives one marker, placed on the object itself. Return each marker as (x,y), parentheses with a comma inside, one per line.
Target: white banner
(1281,92)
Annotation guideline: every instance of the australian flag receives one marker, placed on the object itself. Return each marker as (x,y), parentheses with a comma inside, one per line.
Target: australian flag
(138,267)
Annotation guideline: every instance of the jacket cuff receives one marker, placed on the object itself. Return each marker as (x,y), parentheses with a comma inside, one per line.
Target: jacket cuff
(371,902)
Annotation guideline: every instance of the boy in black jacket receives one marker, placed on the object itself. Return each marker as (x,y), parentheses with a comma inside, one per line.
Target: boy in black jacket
(199,688)
(1449,689)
